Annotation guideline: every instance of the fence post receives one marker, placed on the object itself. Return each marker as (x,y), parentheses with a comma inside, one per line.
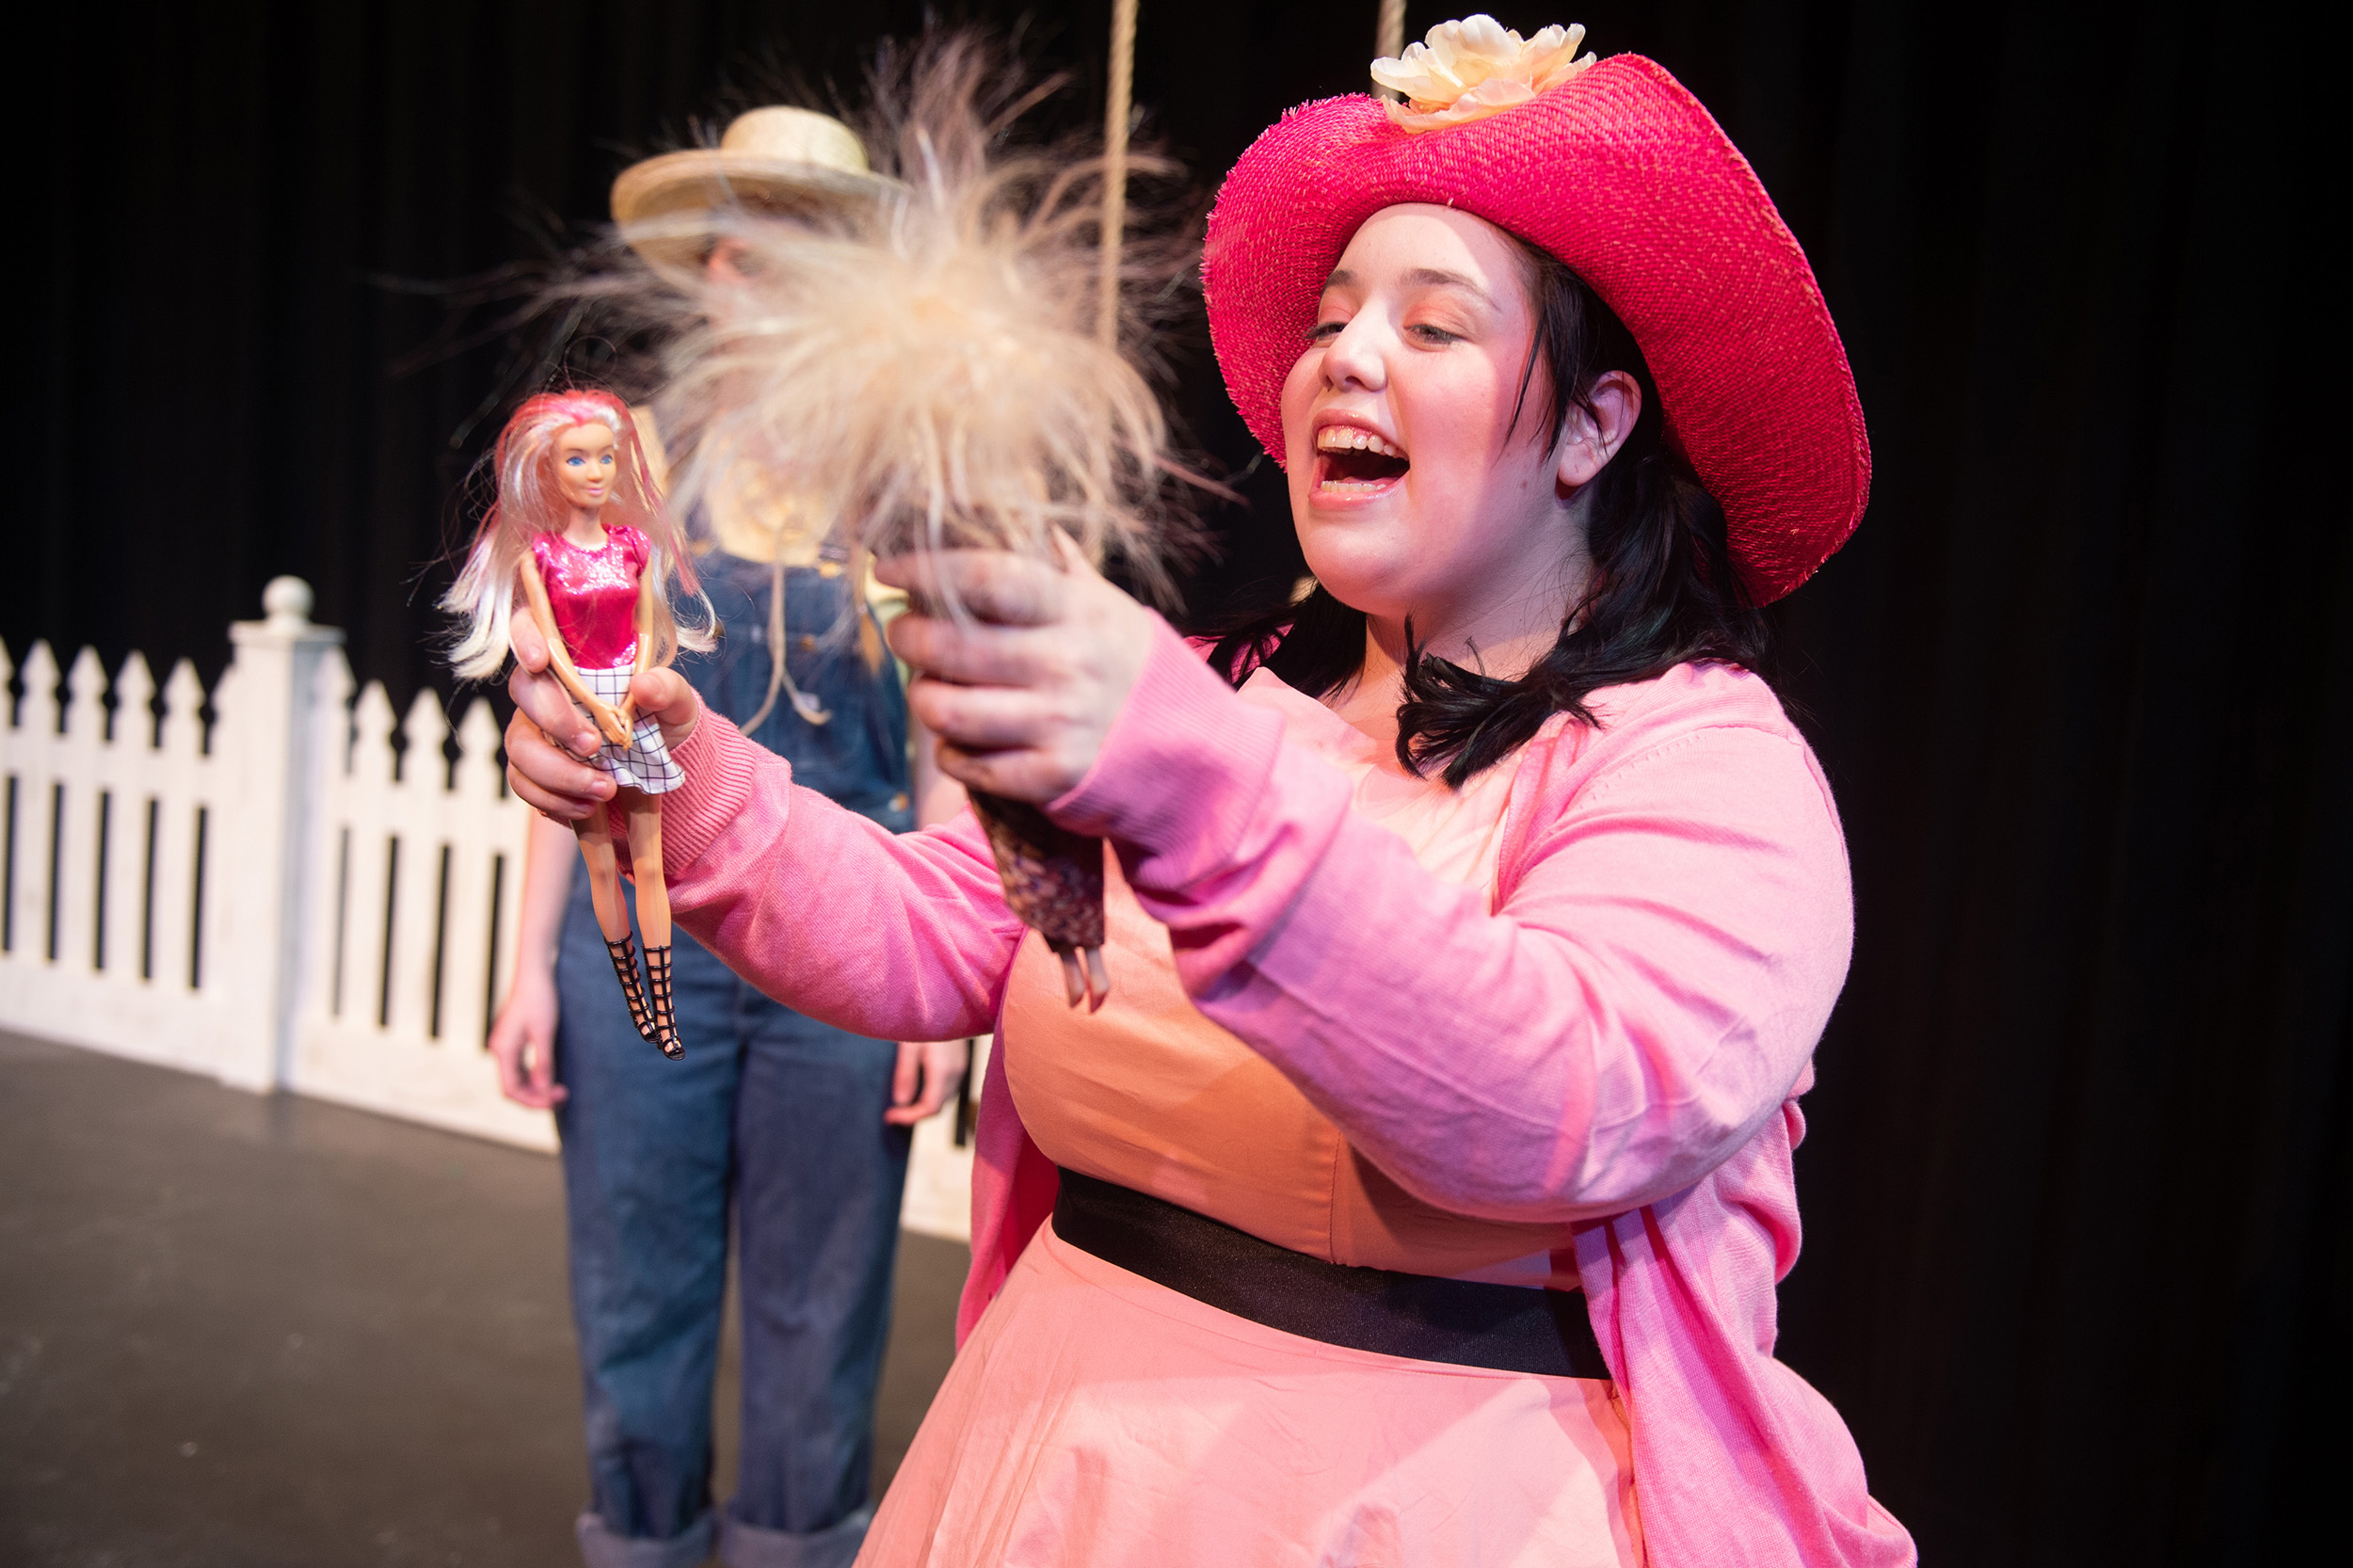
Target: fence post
(269,736)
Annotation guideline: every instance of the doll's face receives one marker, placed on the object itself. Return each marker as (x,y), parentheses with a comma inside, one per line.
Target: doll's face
(585,465)
(1413,492)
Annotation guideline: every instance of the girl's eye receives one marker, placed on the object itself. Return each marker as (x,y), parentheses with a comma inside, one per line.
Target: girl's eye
(1424,332)
(1324,331)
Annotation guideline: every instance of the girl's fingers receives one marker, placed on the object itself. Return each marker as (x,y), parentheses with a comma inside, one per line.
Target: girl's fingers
(562,809)
(531,650)
(990,585)
(664,695)
(548,780)
(975,654)
(985,718)
(1018,775)
(542,697)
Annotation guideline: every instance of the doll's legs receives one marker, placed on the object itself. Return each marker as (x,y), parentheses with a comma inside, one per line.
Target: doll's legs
(644,814)
(595,833)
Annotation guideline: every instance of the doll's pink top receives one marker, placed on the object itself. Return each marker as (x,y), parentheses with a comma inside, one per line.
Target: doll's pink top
(1606,1047)
(1148,1092)
(593,593)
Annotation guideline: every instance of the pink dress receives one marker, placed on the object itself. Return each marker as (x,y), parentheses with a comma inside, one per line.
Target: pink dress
(1596,1045)
(1032,1453)
(594,594)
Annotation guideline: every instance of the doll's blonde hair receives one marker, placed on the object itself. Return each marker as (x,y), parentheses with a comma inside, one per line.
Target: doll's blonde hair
(530,502)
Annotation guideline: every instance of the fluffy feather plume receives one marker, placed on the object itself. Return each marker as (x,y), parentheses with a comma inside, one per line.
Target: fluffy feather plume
(922,369)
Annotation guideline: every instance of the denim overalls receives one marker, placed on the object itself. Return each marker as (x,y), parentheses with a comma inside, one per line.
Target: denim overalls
(773,1112)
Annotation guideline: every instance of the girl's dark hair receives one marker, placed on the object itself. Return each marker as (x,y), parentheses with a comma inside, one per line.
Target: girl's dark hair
(1662,592)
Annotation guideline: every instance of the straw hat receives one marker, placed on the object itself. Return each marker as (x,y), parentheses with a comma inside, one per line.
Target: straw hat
(1615,167)
(776,159)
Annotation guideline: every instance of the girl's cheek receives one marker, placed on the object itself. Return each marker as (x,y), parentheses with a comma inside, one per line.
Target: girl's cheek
(1298,391)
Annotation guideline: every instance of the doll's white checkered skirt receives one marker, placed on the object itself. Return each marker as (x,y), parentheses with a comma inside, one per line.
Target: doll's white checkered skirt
(645,762)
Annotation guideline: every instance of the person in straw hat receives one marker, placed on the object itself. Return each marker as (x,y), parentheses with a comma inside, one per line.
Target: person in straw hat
(794,1130)
(1420,1192)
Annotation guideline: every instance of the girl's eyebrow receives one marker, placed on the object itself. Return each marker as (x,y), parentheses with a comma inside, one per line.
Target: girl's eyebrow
(1422,277)
(1438,277)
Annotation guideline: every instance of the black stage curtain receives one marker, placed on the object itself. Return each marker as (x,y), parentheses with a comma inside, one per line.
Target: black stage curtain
(2076,1188)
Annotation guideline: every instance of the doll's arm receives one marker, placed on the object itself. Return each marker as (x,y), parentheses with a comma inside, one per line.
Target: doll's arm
(560,658)
(645,645)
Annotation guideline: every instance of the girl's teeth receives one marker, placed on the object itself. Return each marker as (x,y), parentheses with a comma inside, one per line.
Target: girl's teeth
(1343,437)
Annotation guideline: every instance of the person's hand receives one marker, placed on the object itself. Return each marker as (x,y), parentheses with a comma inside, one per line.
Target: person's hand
(1021,695)
(926,1079)
(522,1043)
(548,735)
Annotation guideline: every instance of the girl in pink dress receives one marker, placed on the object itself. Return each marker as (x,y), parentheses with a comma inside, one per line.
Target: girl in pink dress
(579,540)
(1420,1192)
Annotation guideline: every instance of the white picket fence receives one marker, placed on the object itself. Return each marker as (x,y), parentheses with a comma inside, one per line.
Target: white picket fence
(281,897)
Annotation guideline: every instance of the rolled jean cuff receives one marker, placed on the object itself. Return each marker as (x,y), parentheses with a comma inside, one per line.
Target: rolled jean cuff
(742,1546)
(600,1546)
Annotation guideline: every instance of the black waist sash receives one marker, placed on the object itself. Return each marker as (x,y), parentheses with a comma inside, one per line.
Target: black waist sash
(1512,1328)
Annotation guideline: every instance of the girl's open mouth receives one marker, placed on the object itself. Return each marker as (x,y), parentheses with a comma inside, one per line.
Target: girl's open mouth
(1355,462)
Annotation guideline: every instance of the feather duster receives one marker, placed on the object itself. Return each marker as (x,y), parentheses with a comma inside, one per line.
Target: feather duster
(925,369)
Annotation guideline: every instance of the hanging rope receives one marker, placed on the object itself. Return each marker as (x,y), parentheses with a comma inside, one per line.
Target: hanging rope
(779,678)
(1388,39)
(1115,107)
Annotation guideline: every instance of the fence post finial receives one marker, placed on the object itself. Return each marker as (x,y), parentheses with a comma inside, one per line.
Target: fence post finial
(270,730)
(286,602)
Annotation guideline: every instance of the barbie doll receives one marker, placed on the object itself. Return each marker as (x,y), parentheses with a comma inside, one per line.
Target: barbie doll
(578,535)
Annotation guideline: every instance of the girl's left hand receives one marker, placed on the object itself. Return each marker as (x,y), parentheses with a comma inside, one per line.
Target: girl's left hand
(1021,693)
(548,735)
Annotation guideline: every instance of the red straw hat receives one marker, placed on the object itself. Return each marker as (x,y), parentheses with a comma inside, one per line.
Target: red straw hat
(1618,171)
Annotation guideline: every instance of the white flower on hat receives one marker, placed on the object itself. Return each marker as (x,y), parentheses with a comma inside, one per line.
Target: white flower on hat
(1471,69)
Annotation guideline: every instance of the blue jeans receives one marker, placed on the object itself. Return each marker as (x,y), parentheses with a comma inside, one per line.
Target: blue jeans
(780,1117)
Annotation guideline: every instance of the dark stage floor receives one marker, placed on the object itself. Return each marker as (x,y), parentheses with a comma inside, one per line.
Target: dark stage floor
(268,1333)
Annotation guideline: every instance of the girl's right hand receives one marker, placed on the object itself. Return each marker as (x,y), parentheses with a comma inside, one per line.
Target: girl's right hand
(523,1042)
(549,735)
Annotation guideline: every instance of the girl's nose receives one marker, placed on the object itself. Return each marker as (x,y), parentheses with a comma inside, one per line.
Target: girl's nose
(1352,359)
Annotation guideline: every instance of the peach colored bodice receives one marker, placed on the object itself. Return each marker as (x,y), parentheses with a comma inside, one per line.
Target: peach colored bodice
(1150,1094)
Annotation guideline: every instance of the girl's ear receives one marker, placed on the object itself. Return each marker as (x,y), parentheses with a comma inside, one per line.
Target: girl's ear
(1589,437)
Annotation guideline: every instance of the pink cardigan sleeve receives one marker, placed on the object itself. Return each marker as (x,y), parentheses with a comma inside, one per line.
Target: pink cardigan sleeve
(1672,930)
(899,937)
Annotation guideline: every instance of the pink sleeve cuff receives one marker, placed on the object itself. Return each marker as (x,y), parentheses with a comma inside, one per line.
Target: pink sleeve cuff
(1180,769)
(719,764)
(1216,824)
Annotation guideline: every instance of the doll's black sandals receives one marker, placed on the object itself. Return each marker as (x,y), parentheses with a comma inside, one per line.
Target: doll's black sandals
(664,1030)
(624,956)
